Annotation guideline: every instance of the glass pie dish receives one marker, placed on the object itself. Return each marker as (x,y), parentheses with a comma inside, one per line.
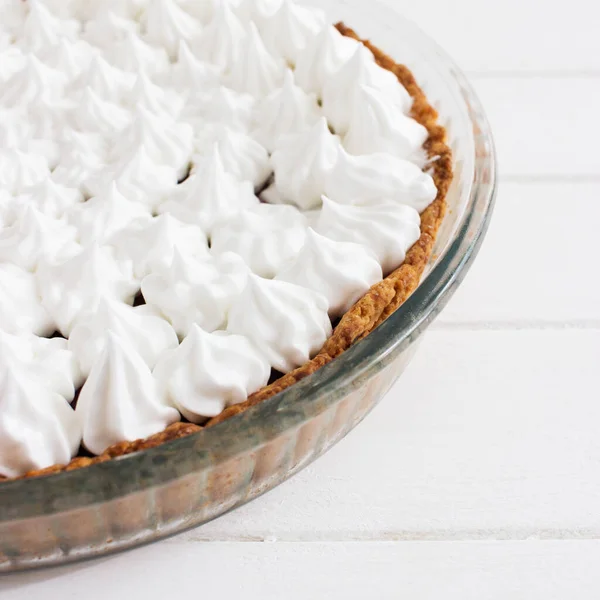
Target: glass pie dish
(152,494)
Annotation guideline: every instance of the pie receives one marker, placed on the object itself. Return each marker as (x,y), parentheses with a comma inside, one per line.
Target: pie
(201,204)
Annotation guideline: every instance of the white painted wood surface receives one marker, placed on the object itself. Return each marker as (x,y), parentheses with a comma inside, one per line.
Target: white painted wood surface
(486,484)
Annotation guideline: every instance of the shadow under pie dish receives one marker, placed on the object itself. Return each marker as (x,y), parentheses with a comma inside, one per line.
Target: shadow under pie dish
(228,460)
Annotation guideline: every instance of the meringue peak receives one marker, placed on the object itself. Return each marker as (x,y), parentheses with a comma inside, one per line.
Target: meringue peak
(302,161)
(210,371)
(257,71)
(120,401)
(288,323)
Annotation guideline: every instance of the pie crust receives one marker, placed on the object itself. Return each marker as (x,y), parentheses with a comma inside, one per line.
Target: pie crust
(374,308)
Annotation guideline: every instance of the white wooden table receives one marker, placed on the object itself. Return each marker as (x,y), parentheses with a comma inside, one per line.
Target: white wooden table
(487,484)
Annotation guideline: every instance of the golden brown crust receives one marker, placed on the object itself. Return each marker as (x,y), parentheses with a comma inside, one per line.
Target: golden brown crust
(369,312)
(173,432)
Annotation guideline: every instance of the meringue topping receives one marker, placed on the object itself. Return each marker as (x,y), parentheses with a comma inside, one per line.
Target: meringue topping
(288,323)
(209,372)
(150,245)
(94,115)
(133,54)
(12,60)
(221,106)
(256,71)
(38,428)
(166,142)
(257,10)
(343,272)
(167,24)
(172,107)
(324,55)
(120,401)
(301,163)
(375,177)
(70,57)
(289,29)
(20,170)
(360,70)
(209,195)
(71,288)
(377,125)
(242,156)
(77,167)
(141,327)
(35,237)
(31,83)
(286,110)
(50,198)
(153,98)
(138,178)
(47,361)
(21,310)
(108,27)
(102,216)
(265,236)
(221,42)
(42,29)
(190,75)
(192,291)
(109,82)
(387,229)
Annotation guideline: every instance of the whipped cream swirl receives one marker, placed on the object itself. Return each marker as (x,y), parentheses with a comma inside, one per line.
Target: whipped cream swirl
(324,55)
(286,110)
(265,236)
(138,178)
(361,70)
(102,216)
(38,428)
(165,141)
(47,362)
(120,400)
(134,54)
(242,156)
(50,198)
(107,27)
(196,291)
(210,195)
(288,31)
(288,323)
(209,372)
(301,163)
(374,177)
(92,114)
(75,286)
(20,170)
(387,229)
(221,106)
(167,24)
(256,71)
(21,310)
(35,237)
(343,272)
(142,327)
(150,245)
(221,41)
(376,125)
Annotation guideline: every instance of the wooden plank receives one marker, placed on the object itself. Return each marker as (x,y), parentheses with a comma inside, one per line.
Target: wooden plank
(512,35)
(538,263)
(544,127)
(487,435)
(424,570)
